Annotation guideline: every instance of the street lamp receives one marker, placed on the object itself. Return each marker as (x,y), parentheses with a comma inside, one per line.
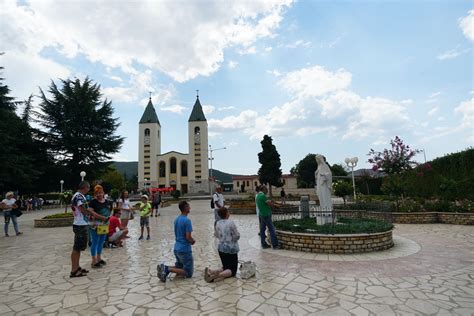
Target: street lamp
(83,175)
(424,154)
(61,182)
(351,163)
(145,183)
(211,159)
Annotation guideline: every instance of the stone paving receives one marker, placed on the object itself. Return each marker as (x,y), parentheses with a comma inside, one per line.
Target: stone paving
(430,271)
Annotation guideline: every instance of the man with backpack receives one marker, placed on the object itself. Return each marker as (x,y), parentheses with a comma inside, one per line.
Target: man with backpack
(217,202)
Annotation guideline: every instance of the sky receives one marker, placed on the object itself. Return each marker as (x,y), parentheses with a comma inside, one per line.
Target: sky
(330,77)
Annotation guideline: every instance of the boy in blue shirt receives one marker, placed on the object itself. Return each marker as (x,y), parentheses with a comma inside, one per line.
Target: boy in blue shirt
(183,228)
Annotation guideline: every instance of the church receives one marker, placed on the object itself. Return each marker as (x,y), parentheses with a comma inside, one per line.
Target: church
(187,172)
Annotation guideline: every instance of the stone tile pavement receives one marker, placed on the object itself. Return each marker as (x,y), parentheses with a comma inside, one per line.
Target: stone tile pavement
(430,271)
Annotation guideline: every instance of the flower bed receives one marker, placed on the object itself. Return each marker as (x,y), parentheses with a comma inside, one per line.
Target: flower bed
(305,235)
(55,220)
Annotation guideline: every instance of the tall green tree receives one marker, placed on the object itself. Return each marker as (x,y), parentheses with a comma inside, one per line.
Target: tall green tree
(80,128)
(18,170)
(269,158)
(305,168)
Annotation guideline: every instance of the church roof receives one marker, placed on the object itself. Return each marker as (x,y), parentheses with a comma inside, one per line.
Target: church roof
(149,116)
(197,114)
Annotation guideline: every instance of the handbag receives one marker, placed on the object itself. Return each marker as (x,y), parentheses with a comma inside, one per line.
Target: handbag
(247,269)
(102,229)
(16,212)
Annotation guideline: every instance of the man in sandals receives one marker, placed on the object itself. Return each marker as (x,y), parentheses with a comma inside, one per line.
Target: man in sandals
(80,227)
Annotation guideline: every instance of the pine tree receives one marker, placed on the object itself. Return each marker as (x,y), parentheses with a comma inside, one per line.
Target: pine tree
(269,158)
(80,129)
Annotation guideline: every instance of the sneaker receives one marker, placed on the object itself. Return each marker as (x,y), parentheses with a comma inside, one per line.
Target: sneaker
(141,238)
(277,247)
(162,272)
(19,233)
(265,246)
(6,235)
(148,237)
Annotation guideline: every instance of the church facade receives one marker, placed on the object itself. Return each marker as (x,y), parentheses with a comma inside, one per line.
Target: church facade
(187,172)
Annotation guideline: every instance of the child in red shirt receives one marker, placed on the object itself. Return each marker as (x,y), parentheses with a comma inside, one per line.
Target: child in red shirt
(116,236)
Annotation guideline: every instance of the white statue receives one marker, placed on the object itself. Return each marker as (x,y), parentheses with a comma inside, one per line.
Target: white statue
(323,177)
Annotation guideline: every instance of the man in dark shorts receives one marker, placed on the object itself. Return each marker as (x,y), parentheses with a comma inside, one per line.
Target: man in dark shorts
(80,228)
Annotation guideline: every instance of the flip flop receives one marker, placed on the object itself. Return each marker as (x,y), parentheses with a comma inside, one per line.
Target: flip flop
(77,274)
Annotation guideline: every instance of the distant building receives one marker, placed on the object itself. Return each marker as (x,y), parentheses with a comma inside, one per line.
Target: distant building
(250,183)
(187,172)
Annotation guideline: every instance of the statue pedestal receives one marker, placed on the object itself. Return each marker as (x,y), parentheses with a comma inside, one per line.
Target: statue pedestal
(323,216)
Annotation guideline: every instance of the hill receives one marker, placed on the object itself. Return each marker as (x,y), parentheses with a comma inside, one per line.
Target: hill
(129,169)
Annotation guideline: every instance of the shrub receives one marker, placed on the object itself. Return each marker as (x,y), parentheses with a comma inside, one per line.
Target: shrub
(59,215)
(409,205)
(344,226)
(176,194)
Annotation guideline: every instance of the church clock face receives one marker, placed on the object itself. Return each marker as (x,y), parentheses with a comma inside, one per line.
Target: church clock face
(147,140)
(197,138)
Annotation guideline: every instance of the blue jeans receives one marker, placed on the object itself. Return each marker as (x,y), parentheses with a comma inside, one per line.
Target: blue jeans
(97,243)
(185,261)
(8,215)
(266,221)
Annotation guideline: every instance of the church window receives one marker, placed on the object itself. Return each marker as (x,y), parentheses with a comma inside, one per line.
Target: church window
(197,130)
(255,183)
(198,177)
(147,156)
(158,134)
(248,184)
(162,168)
(147,132)
(238,183)
(173,165)
(184,168)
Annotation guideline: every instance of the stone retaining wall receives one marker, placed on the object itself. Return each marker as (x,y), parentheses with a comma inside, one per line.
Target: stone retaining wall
(412,218)
(54,222)
(343,244)
(242,207)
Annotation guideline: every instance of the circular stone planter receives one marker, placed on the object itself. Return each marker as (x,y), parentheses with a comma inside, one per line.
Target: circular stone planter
(339,244)
(54,222)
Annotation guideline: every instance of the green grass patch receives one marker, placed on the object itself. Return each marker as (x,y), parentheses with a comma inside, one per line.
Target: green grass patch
(59,215)
(343,226)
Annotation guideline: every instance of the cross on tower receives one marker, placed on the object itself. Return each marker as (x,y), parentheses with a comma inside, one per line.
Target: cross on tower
(150,94)
(197,93)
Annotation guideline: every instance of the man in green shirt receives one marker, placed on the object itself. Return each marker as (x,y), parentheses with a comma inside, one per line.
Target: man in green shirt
(264,205)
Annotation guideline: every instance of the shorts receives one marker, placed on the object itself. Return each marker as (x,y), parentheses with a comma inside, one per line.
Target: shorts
(145,221)
(125,214)
(216,216)
(156,206)
(81,233)
(185,261)
(115,236)
(230,261)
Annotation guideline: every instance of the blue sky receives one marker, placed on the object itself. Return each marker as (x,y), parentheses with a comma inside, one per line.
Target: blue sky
(329,77)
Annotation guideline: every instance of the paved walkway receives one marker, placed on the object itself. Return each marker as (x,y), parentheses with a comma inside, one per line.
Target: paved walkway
(430,271)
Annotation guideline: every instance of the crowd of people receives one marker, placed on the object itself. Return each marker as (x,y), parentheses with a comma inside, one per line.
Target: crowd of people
(96,223)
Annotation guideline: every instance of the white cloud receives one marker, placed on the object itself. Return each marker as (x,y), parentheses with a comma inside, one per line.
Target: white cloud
(208,109)
(319,102)
(453,53)
(226,108)
(467,25)
(434,94)
(315,81)
(268,49)
(298,43)
(175,108)
(274,72)
(192,36)
(433,111)
(138,86)
(232,64)
(466,109)
(247,51)
(407,101)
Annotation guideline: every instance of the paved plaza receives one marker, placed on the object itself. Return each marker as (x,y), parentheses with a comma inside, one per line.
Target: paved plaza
(430,271)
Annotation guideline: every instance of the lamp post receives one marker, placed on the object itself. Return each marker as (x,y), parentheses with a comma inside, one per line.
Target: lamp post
(424,154)
(61,182)
(351,163)
(145,183)
(83,175)
(211,159)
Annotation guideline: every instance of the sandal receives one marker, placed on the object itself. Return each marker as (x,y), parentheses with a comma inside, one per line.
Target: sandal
(102,262)
(83,270)
(78,273)
(96,265)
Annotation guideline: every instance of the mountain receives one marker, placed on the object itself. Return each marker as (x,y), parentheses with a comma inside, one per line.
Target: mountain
(129,169)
